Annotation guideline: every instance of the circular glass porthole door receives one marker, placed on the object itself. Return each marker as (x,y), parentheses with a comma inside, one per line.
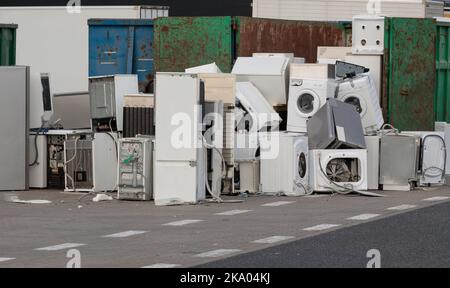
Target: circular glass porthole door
(358,102)
(307,103)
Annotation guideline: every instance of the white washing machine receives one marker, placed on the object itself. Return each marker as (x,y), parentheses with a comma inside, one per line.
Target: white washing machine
(373,62)
(340,170)
(433,157)
(306,97)
(288,173)
(361,93)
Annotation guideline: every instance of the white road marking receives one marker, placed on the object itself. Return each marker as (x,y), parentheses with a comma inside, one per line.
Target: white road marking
(182,222)
(162,265)
(233,212)
(6,259)
(321,227)
(60,247)
(125,234)
(363,217)
(435,199)
(273,239)
(402,207)
(217,253)
(279,203)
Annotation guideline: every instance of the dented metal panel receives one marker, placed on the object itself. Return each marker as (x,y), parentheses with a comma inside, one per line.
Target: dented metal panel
(410,73)
(299,37)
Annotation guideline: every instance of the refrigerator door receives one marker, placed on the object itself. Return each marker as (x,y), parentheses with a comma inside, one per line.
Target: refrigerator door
(179,167)
(178,115)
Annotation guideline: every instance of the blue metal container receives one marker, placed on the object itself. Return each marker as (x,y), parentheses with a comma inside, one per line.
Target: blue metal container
(122,46)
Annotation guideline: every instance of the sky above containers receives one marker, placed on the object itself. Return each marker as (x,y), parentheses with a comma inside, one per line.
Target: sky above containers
(177,7)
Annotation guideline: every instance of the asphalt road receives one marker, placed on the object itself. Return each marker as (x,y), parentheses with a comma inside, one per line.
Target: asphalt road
(420,238)
(317,231)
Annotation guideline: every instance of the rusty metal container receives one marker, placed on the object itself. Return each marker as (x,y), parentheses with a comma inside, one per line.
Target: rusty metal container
(122,46)
(410,73)
(183,42)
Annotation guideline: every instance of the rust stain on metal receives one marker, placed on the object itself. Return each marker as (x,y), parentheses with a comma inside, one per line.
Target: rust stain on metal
(300,37)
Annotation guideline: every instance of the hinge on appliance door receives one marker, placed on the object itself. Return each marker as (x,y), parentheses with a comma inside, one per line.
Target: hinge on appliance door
(193,163)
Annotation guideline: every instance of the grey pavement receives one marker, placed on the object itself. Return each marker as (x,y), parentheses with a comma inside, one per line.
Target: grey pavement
(140,236)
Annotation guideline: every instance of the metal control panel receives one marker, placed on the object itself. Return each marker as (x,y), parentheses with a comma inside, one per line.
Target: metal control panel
(135,169)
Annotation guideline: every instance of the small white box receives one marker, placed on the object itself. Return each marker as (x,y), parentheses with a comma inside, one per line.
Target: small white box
(368,35)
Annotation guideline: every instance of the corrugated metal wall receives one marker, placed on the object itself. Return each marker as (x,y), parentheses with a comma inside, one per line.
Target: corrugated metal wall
(337,10)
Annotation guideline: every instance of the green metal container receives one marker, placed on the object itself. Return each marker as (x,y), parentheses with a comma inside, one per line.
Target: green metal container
(183,42)
(7,44)
(409,73)
(442,101)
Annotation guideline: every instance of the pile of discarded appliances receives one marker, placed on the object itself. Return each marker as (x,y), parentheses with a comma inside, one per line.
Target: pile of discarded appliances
(273,126)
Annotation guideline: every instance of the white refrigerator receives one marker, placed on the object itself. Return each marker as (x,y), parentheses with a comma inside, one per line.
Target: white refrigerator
(180,157)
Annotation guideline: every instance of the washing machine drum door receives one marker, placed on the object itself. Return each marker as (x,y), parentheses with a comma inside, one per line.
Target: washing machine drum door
(358,102)
(308,103)
(301,168)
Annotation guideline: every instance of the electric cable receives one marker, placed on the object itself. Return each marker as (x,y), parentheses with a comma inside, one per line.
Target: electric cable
(208,187)
(115,144)
(36,149)
(383,131)
(216,198)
